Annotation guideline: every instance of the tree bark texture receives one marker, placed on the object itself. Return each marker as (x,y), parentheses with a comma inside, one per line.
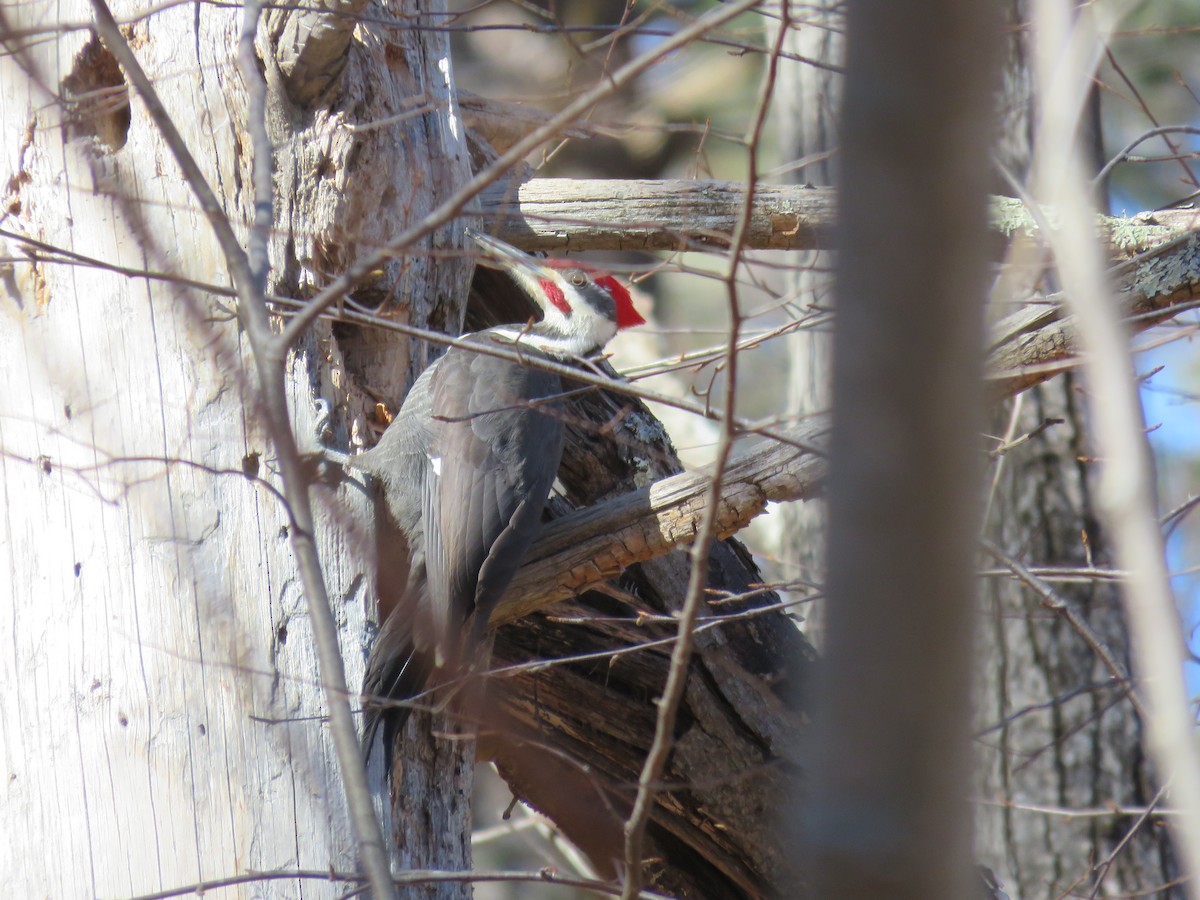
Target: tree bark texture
(346,187)
(163,716)
(1056,730)
(561,214)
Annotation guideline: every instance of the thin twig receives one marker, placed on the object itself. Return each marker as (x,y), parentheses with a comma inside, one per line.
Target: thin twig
(1189,175)
(1057,603)
(1051,704)
(1010,443)
(1099,812)
(1145,136)
(1105,867)
(411,877)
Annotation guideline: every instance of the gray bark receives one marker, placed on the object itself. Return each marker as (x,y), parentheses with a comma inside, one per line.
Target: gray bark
(354,171)
(1056,730)
(886,812)
(161,683)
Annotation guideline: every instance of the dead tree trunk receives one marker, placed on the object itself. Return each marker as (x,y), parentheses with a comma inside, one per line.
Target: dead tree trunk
(161,688)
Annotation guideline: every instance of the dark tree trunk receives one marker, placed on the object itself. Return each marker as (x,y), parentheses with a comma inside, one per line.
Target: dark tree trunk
(1056,731)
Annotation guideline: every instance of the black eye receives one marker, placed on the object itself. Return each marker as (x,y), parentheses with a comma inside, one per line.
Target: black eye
(578,279)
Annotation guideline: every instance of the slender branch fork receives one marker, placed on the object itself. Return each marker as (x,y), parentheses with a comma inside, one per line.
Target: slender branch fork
(1073,616)
(668,704)
(249,273)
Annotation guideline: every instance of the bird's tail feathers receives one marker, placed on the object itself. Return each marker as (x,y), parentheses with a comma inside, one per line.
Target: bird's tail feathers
(397,672)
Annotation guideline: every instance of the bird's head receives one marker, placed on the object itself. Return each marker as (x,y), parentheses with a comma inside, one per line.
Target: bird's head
(582,307)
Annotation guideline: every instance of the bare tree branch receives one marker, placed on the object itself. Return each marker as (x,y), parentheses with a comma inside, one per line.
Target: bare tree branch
(592,545)
(412,877)
(595,544)
(1040,340)
(618,214)
(610,214)
(698,575)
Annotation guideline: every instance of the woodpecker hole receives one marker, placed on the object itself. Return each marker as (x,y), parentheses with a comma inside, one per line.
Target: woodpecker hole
(250,464)
(96,98)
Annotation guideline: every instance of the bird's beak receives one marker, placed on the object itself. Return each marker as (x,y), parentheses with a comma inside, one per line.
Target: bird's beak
(525,269)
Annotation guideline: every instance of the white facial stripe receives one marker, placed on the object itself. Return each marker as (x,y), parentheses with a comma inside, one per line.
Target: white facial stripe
(578,332)
(557,344)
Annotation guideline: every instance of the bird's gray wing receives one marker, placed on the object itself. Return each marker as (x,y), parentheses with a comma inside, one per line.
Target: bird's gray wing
(493,462)
(400,461)
(403,653)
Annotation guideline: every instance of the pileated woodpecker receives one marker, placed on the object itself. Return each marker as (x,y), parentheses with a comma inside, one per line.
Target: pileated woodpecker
(466,468)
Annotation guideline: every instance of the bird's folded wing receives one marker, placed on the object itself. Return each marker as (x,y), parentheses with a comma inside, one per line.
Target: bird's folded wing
(494,459)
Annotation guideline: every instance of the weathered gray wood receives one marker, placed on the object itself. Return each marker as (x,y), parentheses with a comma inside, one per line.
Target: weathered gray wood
(612,214)
(358,170)
(587,547)
(607,214)
(163,724)
(312,45)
